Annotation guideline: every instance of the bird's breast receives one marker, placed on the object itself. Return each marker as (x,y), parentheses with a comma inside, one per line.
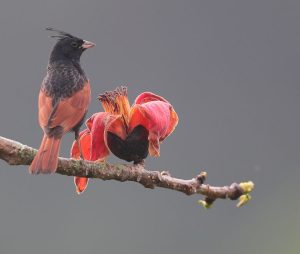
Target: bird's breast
(63,80)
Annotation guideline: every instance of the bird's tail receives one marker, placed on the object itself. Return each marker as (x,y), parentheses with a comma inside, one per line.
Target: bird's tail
(46,159)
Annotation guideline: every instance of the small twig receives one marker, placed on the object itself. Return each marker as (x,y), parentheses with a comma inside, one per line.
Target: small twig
(15,153)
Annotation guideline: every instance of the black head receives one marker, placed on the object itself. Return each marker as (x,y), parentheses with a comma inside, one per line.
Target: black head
(68,47)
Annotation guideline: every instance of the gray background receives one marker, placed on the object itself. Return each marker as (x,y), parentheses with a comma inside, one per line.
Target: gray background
(231,70)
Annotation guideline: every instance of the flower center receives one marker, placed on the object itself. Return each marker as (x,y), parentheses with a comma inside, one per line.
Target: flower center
(116,102)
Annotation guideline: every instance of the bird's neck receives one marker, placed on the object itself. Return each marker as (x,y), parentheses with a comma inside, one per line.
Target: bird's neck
(54,61)
(61,58)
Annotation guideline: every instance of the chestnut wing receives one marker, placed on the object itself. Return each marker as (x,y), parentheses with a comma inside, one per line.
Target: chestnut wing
(67,112)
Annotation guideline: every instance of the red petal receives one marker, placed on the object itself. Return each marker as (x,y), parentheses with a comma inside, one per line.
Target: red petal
(151,97)
(148,96)
(157,115)
(99,148)
(173,122)
(117,126)
(81,184)
(85,143)
(89,122)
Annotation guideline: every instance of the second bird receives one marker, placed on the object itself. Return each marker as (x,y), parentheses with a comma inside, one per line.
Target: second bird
(63,99)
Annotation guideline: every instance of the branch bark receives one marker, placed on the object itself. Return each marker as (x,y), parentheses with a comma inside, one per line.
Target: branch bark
(15,153)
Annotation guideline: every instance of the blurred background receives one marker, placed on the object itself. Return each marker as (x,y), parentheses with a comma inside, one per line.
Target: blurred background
(230,69)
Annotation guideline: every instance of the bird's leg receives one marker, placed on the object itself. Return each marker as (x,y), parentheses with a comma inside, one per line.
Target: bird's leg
(78,144)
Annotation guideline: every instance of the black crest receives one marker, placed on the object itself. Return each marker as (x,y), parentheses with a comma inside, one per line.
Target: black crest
(60,34)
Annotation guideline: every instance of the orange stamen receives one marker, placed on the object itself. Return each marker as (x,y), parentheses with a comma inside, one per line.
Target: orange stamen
(116,102)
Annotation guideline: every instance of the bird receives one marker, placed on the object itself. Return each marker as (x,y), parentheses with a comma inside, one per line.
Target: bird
(63,101)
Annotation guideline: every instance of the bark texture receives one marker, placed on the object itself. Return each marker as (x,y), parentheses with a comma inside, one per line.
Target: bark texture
(15,153)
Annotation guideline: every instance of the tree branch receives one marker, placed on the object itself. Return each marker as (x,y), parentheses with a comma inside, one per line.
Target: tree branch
(15,153)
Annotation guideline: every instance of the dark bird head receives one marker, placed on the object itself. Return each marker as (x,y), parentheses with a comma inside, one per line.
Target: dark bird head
(68,47)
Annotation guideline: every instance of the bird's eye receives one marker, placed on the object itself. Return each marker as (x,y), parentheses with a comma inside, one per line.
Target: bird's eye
(74,44)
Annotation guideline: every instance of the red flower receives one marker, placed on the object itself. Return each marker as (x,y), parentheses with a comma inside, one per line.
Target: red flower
(85,140)
(130,133)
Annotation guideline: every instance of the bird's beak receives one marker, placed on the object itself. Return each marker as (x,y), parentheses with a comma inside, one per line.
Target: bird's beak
(88,44)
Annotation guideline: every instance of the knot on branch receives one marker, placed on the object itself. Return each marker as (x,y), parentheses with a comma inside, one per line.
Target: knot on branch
(235,191)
